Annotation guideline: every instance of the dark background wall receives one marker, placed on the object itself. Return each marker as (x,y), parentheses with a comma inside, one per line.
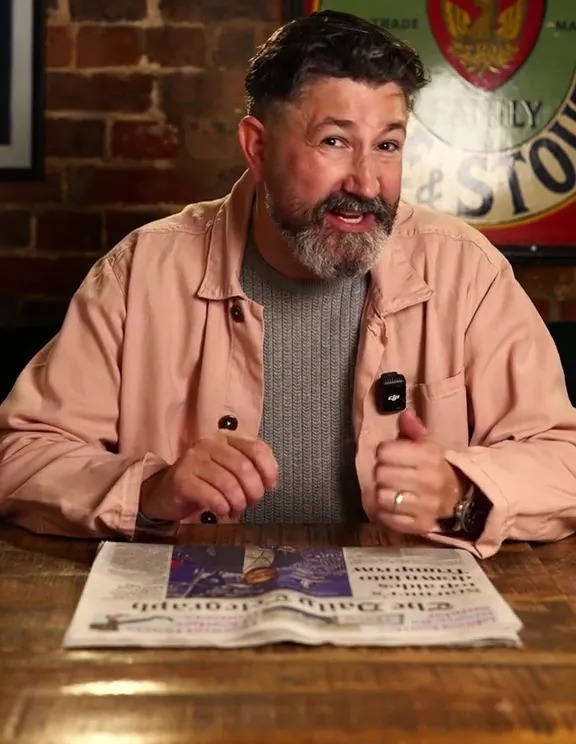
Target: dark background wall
(143,98)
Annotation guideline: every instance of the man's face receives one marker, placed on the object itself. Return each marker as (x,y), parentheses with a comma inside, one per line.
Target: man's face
(332,169)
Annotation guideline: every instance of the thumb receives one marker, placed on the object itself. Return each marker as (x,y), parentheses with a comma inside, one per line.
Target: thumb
(410,426)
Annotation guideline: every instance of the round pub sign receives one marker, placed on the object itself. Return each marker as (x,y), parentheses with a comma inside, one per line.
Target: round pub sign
(493,137)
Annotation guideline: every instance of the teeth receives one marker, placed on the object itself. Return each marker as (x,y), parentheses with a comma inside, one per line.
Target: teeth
(352,220)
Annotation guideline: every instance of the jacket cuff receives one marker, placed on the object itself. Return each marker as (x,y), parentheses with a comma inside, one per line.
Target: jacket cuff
(130,501)
(499,519)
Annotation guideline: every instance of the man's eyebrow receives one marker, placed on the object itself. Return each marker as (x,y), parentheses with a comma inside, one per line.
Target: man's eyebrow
(393,125)
(349,124)
(334,121)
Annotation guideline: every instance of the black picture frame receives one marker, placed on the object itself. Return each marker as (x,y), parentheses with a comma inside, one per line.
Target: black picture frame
(22,117)
(519,255)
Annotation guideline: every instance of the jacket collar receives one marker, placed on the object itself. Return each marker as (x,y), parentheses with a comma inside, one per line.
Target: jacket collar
(395,284)
(227,243)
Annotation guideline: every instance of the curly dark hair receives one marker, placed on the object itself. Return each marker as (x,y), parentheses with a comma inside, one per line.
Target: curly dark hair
(329,44)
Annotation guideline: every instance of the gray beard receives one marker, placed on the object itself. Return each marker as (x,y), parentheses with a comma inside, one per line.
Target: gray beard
(358,252)
(311,246)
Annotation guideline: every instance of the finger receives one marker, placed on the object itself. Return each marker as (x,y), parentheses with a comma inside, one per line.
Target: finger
(260,455)
(410,426)
(406,523)
(386,501)
(424,509)
(398,522)
(406,454)
(225,482)
(242,469)
(198,493)
(398,478)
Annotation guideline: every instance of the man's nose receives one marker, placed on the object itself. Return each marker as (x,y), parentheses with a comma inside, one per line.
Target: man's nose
(362,180)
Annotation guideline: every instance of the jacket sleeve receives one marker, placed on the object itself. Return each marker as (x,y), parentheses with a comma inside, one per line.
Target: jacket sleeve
(59,467)
(522,452)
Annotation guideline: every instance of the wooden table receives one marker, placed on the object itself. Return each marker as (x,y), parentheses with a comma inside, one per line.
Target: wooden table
(282,694)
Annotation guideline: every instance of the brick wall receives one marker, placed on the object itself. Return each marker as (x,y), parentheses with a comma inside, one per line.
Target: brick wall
(143,98)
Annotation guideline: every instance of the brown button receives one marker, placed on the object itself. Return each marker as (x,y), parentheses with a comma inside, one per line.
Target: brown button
(208,518)
(237,313)
(228,422)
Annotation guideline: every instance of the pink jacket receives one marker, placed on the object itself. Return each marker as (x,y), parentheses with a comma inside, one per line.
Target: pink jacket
(150,357)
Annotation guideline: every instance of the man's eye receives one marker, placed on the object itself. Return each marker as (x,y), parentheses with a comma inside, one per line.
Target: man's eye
(388,146)
(333,142)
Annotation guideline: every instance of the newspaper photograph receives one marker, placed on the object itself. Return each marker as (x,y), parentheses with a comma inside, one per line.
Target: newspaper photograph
(234,596)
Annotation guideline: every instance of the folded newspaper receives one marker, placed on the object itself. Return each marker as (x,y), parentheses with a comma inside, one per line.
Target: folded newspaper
(233,596)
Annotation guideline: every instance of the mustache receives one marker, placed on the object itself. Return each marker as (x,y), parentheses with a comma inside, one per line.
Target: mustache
(382,210)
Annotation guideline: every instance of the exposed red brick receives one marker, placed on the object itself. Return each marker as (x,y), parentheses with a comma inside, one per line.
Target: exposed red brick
(108,10)
(234,47)
(212,138)
(47,191)
(211,180)
(109,46)
(264,30)
(568,311)
(221,10)
(211,92)
(75,138)
(180,93)
(56,12)
(120,224)
(14,228)
(130,186)
(144,139)
(99,92)
(69,231)
(223,91)
(174,46)
(40,276)
(59,46)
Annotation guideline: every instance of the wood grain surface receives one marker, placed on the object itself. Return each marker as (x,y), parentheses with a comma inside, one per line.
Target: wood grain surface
(283,693)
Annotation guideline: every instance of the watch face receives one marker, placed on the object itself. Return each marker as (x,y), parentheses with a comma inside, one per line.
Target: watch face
(470,519)
(473,518)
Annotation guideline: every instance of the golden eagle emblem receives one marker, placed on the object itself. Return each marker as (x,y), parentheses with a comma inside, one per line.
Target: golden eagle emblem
(485,33)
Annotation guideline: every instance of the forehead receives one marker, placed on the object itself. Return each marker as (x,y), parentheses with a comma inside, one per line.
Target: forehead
(348,99)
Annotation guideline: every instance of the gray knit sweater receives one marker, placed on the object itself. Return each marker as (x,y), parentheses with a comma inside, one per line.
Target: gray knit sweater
(310,344)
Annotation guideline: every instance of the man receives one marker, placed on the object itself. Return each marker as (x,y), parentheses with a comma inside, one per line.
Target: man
(225,363)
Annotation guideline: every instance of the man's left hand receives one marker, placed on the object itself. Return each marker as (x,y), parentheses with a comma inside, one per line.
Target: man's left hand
(415,485)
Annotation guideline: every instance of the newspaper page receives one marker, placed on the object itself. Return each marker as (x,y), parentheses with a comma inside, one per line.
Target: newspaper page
(234,596)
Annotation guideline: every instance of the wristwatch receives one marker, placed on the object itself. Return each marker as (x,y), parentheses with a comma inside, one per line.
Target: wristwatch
(143,522)
(470,514)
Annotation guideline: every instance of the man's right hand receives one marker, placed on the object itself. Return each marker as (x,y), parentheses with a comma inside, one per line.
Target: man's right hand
(223,474)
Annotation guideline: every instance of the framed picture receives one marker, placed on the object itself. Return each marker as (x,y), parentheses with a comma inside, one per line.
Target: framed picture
(21,89)
(492,139)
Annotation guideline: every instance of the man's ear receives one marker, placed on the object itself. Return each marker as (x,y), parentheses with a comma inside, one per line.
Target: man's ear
(251,133)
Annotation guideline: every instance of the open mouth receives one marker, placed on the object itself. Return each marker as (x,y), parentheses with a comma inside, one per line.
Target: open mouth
(354,221)
(352,218)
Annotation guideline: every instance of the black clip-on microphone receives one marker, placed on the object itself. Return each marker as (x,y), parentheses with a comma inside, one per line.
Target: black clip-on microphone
(391,393)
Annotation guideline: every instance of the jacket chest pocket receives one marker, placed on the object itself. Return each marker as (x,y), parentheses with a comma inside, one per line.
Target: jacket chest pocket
(443,407)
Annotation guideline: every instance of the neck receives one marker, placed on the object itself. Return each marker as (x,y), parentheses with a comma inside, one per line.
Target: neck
(272,246)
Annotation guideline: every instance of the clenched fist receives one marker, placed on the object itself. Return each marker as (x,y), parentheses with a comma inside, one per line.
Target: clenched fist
(415,485)
(224,474)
